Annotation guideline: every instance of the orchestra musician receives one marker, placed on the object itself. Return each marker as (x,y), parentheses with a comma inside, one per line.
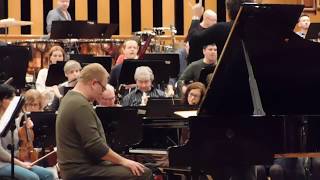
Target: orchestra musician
(139,96)
(303,24)
(130,51)
(22,170)
(194,93)
(82,148)
(192,72)
(71,70)
(108,97)
(58,14)
(56,54)
(34,102)
(192,96)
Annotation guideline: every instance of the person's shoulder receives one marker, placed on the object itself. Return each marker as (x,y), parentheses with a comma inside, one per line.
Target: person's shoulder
(43,71)
(196,63)
(75,98)
(159,92)
(53,11)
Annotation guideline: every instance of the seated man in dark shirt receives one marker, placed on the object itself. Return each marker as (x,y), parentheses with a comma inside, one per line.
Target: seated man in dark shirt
(192,72)
(139,96)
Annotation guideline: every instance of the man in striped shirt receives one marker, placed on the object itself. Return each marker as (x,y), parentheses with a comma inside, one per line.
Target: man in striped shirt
(139,96)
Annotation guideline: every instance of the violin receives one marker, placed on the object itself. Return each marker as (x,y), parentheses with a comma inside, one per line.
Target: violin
(26,137)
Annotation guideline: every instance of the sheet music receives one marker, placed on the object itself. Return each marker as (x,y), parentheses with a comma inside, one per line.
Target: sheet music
(148,151)
(8,113)
(186,114)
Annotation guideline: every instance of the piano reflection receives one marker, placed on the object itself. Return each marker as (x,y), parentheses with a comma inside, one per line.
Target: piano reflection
(265,73)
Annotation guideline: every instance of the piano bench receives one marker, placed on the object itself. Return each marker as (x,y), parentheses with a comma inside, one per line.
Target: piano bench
(183,172)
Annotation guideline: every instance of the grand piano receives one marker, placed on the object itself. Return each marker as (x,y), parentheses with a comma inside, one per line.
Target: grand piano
(265,75)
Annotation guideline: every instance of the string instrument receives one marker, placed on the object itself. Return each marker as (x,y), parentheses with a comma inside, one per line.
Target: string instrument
(26,137)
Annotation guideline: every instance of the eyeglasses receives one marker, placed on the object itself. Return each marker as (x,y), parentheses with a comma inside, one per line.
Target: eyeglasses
(102,86)
(194,95)
(33,104)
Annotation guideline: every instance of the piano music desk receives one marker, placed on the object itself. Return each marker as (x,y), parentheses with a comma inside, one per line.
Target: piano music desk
(298,155)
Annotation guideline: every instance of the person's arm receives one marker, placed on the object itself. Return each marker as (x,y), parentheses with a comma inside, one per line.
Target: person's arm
(86,125)
(41,80)
(197,12)
(135,167)
(125,100)
(5,156)
(187,74)
(217,34)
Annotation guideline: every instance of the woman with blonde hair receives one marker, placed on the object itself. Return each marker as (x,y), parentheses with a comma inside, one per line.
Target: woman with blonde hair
(56,54)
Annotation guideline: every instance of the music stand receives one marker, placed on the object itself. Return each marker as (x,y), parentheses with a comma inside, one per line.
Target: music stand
(313,31)
(105,61)
(204,74)
(161,107)
(14,63)
(122,126)
(171,59)
(231,99)
(56,74)
(7,122)
(44,128)
(158,67)
(81,30)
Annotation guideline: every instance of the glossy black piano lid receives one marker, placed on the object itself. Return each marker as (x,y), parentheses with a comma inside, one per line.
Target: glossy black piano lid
(286,67)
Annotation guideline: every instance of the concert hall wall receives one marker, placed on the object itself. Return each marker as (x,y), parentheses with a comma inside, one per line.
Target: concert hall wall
(131,15)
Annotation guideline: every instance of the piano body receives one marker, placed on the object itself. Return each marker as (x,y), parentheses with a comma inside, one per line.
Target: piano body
(265,74)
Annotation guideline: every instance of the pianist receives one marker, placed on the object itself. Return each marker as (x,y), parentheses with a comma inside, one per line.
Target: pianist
(139,96)
(82,148)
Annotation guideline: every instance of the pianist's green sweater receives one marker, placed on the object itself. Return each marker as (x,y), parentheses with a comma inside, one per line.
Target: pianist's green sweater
(80,137)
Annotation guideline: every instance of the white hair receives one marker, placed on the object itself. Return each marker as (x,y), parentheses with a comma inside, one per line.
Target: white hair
(109,87)
(143,73)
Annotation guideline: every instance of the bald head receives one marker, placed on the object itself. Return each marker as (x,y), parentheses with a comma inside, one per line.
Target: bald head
(209,18)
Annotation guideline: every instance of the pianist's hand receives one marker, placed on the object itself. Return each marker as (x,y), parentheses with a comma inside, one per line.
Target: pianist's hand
(136,168)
